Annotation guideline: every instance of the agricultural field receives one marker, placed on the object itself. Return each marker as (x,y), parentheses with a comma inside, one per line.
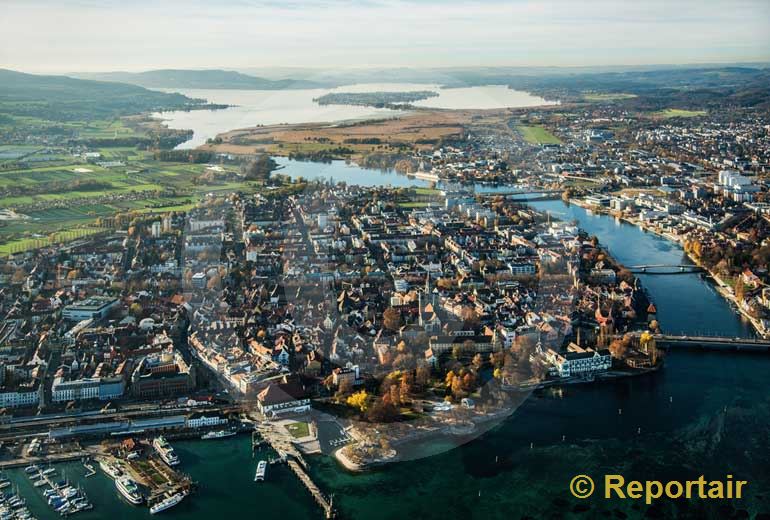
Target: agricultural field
(62,201)
(38,240)
(607,96)
(676,112)
(537,135)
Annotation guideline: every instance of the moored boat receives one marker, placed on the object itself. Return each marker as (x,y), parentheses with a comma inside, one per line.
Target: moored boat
(165,450)
(221,434)
(129,490)
(167,503)
(261,471)
(110,469)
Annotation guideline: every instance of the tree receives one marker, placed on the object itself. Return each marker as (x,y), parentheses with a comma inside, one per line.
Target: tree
(19,275)
(260,168)
(395,395)
(405,389)
(458,391)
(422,375)
(135,310)
(618,348)
(470,316)
(449,379)
(392,319)
(214,283)
(382,411)
(345,387)
(359,400)
(740,289)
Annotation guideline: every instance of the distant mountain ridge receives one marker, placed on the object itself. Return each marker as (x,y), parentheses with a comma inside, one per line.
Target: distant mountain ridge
(200,79)
(63,98)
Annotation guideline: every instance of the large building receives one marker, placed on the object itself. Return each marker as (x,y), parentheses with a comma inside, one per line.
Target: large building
(281,399)
(102,388)
(163,374)
(578,361)
(23,395)
(95,307)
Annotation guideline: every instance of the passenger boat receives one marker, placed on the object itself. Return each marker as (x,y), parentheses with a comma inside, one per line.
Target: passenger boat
(165,450)
(167,503)
(111,470)
(259,476)
(129,490)
(221,434)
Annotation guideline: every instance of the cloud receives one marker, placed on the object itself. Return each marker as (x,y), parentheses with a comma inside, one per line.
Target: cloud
(91,35)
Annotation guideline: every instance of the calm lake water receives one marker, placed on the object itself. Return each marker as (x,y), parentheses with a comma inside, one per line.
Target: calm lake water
(270,107)
(705,413)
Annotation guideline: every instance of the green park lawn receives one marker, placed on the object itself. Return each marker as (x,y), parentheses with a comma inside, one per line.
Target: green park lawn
(298,429)
(676,112)
(537,135)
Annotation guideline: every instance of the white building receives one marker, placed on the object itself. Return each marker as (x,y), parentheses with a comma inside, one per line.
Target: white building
(18,398)
(96,307)
(578,361)
(204,420)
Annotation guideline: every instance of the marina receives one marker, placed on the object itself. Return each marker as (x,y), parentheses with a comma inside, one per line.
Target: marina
(64,498)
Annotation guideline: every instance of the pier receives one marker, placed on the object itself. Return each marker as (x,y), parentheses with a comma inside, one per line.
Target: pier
(265,432)
(325,504)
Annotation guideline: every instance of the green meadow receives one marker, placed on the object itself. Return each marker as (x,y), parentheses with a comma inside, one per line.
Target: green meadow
(676,112)
(537,135)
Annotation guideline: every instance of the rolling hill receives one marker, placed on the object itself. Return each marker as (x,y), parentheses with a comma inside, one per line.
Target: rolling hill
(61,98)
(202,79)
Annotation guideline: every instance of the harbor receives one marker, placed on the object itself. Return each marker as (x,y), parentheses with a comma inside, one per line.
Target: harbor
(62,496)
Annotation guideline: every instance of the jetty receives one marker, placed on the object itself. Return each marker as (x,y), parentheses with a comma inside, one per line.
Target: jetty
(319,497)
(265,432)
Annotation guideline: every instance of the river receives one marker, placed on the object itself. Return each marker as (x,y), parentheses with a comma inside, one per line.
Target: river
(705,413)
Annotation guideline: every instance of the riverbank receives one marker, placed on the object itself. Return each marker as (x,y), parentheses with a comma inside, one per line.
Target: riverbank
(721,287)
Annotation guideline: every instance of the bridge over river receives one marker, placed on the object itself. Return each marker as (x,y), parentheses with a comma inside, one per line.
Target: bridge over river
(669,342)
(665,269)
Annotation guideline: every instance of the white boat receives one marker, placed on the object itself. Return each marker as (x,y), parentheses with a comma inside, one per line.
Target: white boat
(165,450)
(130,491)
(259,476)
(111,470)
(221,434)
(167,503)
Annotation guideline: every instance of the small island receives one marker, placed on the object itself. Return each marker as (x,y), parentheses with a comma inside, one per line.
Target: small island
(375,99)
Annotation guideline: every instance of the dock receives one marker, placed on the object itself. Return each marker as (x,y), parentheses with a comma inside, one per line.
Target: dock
(320,499)
(90,471)
(266,433)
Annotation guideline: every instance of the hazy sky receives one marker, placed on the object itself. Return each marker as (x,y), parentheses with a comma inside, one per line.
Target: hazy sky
(90,35)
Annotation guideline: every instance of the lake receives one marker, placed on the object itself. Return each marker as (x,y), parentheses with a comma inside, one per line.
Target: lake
(271,107)
(705,413)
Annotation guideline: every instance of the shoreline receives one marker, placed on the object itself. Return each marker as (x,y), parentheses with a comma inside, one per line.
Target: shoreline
(715,279)
(458,431)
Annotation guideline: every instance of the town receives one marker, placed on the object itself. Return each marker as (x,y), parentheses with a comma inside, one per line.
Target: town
(323,317)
